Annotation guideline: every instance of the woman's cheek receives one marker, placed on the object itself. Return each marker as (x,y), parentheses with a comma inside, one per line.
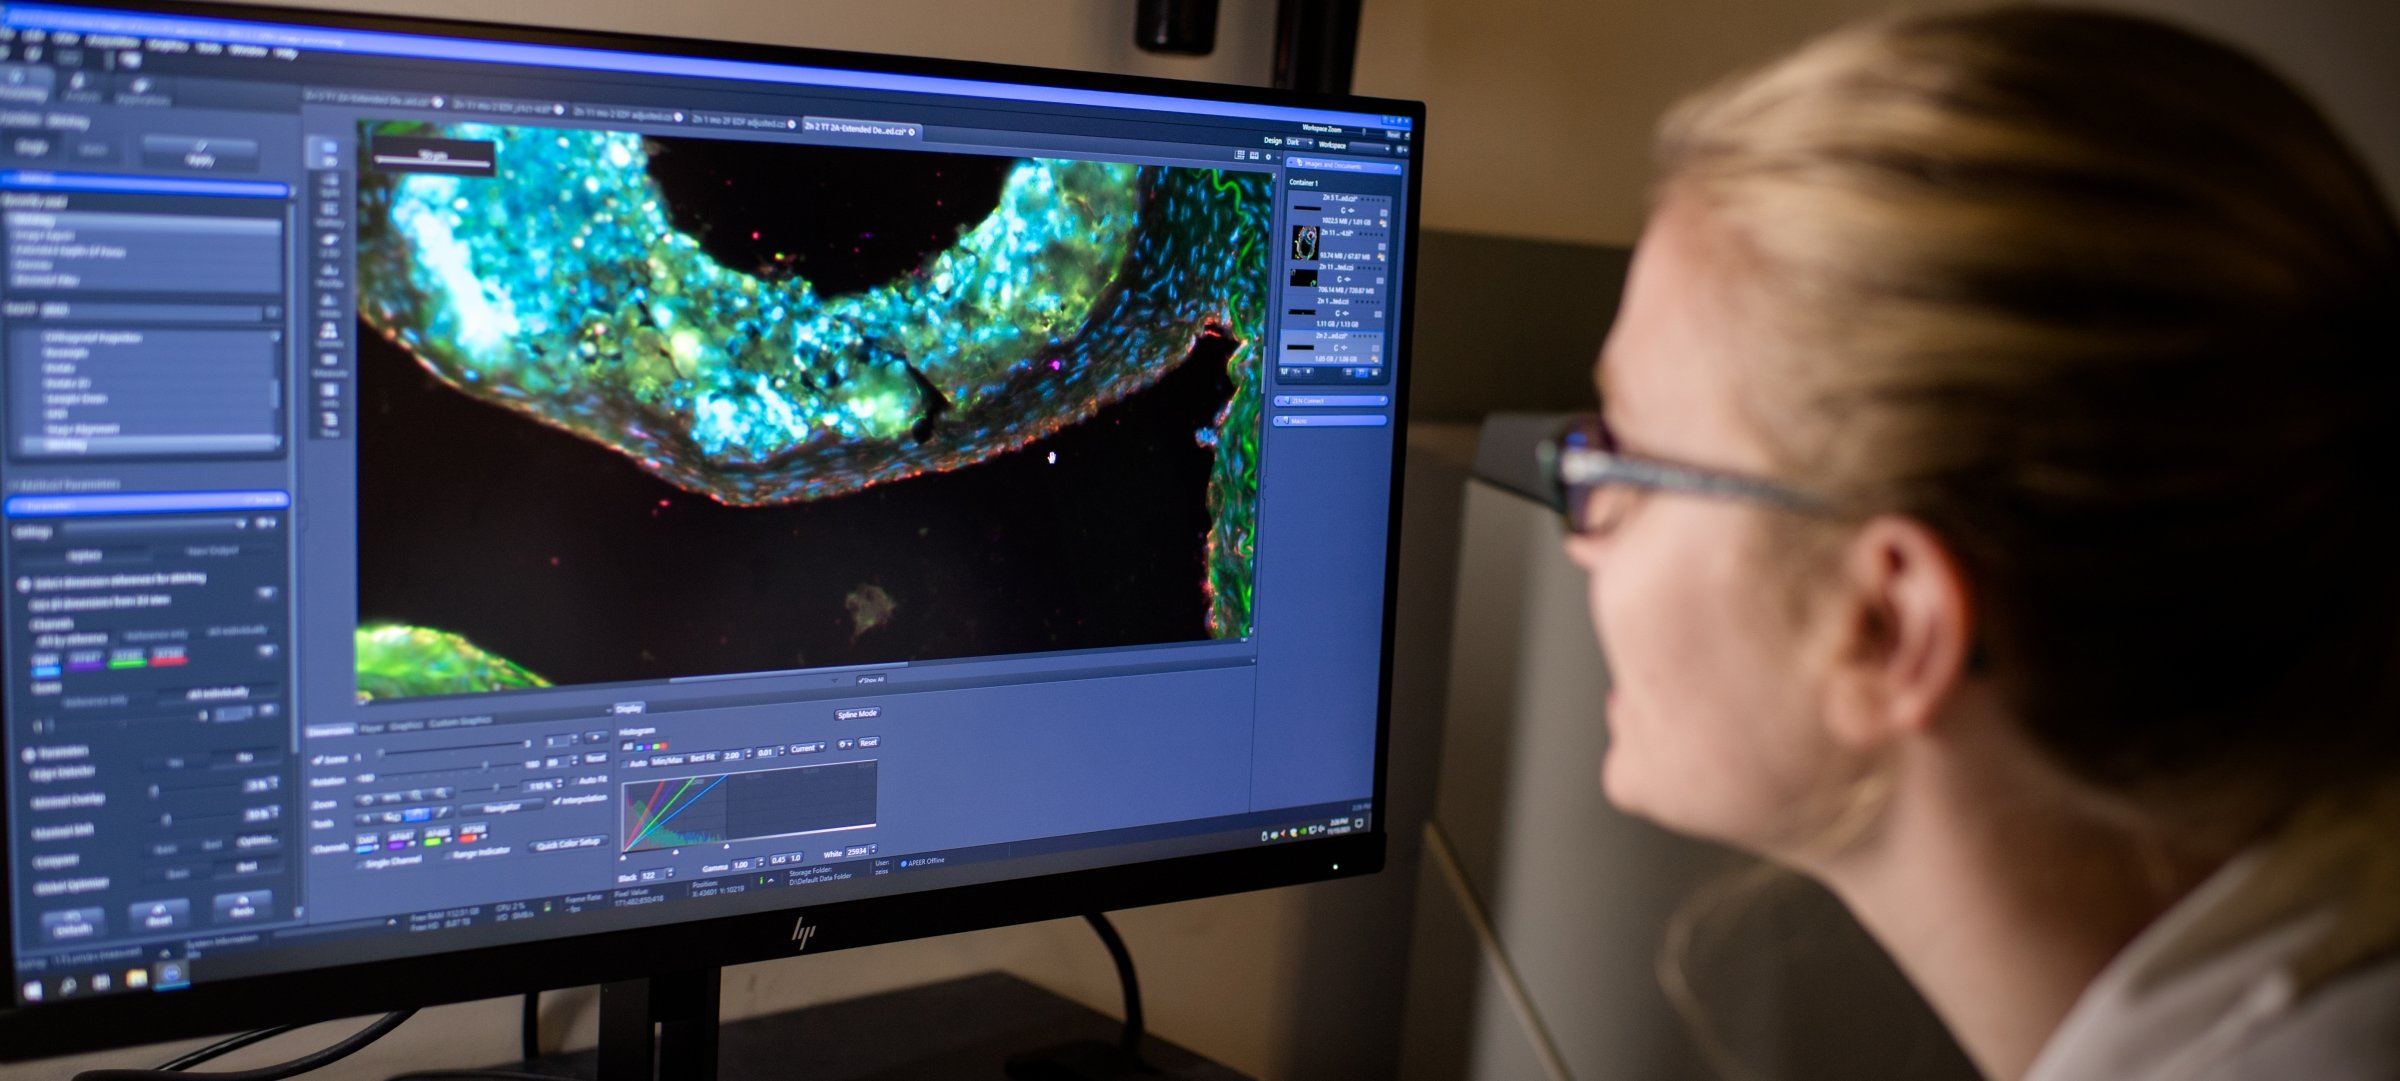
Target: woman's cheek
(1632,625)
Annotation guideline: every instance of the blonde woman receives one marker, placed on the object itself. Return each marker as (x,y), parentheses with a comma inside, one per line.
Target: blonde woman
(1994,513)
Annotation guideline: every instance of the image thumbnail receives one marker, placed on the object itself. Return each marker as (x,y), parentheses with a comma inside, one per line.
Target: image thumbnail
(635,407)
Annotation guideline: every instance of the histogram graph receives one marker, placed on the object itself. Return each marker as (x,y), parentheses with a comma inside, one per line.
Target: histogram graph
(676,813)
(719,808)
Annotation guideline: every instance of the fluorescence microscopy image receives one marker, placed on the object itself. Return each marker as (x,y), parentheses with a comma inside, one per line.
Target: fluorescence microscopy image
(635,407)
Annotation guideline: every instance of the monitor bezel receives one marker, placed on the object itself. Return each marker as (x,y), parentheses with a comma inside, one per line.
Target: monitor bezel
(120,1020)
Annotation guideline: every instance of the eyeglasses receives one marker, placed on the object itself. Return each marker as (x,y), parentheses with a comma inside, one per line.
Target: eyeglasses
(1592,483)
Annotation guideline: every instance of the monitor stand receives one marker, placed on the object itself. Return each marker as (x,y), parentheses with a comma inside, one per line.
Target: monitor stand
(970,1028)
(663,1027)
(1082,1060)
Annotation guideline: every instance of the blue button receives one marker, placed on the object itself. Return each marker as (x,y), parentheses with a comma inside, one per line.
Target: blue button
(245,906)
(74,924)
(1332,401)
(153,916)
(1332,420)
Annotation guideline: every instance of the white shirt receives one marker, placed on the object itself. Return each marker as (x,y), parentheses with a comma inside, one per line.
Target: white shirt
(2282,966)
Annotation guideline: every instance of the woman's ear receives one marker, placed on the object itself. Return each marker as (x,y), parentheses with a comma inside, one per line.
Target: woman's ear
(1905,627)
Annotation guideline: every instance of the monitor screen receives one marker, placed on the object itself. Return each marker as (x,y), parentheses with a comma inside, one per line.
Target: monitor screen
(568,496)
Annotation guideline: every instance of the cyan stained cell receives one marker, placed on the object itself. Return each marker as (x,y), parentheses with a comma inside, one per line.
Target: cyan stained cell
(559,289)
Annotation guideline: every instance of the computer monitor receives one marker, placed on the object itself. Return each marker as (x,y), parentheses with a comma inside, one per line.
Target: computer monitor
(492,508)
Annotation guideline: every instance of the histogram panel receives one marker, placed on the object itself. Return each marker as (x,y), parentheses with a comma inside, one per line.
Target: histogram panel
(717,808)
(674,813)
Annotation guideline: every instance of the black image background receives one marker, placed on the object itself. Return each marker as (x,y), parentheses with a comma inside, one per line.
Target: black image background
(847,219)
(564,557)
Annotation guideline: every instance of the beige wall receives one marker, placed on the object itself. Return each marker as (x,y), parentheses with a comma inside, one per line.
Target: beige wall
(1541,110)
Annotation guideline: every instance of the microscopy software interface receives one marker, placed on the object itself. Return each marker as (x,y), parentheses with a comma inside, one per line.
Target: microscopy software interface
(461,493)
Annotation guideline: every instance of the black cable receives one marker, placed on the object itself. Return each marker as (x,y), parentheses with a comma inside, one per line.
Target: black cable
(1132,1040)
(303,1064)
(189,1059)
(529,1031)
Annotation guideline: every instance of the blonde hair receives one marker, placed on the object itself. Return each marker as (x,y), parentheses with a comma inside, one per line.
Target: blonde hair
(2111,308)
